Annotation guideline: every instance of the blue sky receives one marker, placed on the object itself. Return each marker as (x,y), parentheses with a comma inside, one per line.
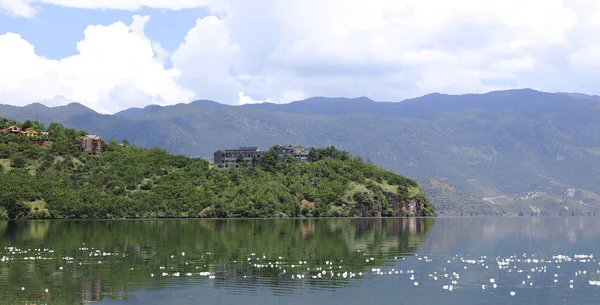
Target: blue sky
(56,30)
(115,54)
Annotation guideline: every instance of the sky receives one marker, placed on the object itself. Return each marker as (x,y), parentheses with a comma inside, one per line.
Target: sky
(111,55)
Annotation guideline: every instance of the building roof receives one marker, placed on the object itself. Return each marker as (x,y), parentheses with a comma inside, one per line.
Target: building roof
(10,128)
(239,150)
(249,148)
(93,137)
(294,148)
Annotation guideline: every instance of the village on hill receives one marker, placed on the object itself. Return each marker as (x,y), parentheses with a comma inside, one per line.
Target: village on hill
(242,157)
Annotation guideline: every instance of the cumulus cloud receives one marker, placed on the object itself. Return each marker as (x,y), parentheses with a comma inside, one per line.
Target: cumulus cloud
(390,50)
(206,58)
(420,45)
(115,68)
(283,51)
(244,99)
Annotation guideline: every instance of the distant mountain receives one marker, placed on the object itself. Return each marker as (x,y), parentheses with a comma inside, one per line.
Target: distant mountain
(484,145)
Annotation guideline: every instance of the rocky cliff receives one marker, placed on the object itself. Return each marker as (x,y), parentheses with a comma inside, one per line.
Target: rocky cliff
(417,206)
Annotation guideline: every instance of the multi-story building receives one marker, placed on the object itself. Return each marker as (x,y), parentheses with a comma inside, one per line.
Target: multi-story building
(297,152)
(244,157)
(91,144)
(236,158)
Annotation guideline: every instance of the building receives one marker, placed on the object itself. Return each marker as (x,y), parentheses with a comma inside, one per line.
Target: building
(297,152)
(236,158)
(18,131)
(13,130)
(91,144)
(30,133)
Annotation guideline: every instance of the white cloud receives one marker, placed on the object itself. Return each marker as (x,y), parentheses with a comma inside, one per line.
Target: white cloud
(420,45)
(244,99)
(206,59)
(18,8)
(586,58)
(390,49)
(114,69)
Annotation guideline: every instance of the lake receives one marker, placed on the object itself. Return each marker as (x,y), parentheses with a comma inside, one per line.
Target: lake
(518,260)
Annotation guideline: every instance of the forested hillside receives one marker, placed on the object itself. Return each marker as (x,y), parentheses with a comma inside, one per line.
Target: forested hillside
(126,181)
(506,143)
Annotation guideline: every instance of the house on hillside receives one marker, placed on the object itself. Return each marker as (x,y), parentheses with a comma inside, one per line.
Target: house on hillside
(18,131)
(30,133)
(91,144)
(236,158)
(13,130)
(297,152)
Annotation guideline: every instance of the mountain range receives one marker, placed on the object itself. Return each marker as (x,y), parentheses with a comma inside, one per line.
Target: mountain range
(517,152)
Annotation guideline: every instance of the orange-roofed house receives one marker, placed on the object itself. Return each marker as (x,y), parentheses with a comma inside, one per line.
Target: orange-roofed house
(13,129)
(30,133)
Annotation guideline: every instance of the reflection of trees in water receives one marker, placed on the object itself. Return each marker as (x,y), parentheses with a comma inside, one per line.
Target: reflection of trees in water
(218,246)
(91,290)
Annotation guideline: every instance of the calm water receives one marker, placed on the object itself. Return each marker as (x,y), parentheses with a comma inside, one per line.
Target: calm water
(346,261)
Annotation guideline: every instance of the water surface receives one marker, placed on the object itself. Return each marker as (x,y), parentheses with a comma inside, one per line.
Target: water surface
(312,261)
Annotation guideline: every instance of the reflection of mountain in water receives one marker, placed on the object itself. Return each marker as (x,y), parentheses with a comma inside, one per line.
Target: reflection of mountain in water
(89,260)
(375,237)
(498,235)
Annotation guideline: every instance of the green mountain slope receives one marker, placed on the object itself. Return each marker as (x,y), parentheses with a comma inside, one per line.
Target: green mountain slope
(487,145)
(125,181)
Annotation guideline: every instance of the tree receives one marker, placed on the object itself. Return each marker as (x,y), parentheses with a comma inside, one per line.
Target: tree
(255,160)
(14,209)
(27,125)
(18,161)
(313,155)
(269,160)
(55,129)
(240,160)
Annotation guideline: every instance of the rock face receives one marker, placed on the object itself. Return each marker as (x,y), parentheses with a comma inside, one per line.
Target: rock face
(414,207)
(368,210)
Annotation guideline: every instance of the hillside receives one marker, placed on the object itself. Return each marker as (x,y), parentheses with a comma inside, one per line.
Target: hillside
(125,181)
(486,145)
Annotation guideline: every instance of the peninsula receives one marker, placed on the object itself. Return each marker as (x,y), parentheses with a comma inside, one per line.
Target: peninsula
(59,173)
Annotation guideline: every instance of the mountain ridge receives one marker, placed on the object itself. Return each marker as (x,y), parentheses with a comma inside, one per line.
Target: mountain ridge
(320,99)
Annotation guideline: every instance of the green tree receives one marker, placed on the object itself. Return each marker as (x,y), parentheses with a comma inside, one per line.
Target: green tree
(27,125)
(255,160)
(269,159)
(313,155)
(18,161)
